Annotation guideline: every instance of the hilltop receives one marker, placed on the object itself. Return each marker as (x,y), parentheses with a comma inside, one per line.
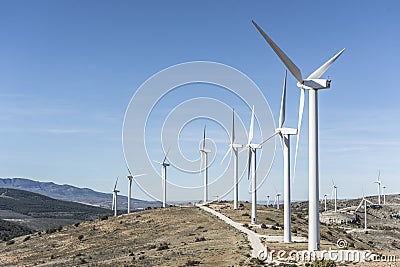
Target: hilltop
(174,236)
(72,193)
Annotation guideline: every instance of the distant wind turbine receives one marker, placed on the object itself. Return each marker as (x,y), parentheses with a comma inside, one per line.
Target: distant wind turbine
(378,182)
(334,194)
(325,196)
(115,196)
(384,195)
(234,149)
(277,195)
(164,165)
(130,178)
(267,201)
(313,83)
(364,202)
(204,158)
(252,166)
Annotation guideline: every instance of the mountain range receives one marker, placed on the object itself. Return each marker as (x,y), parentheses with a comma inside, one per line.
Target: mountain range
(75,194)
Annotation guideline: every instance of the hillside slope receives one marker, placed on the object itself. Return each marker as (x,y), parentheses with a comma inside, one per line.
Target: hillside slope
(39,212)
(175,236)
(72,193)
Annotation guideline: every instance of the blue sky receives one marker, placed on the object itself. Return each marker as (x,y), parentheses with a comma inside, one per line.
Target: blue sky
(68,70)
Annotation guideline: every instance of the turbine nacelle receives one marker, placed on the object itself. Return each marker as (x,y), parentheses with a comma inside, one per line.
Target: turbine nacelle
(254,146)
(130,177)
(205,150)
(235,146)
(315,84)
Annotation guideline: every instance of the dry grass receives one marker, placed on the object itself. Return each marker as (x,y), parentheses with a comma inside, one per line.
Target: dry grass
(175,236)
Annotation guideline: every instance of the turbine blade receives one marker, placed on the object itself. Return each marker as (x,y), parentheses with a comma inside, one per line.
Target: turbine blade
(285,59)
(166,154)
(139,175)
(321,70)
(115,187)
(301,109)
(269,138)
(233,126)
(226,154)
(359,206)
(249,164)
(128,169)
(251,130)
(283,103)
(204,138)
(201,163)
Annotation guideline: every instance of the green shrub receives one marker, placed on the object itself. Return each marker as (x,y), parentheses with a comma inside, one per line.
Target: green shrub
(80,237)
(10,242)
(26,238)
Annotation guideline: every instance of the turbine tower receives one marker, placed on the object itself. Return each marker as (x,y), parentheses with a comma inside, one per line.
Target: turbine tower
(204,158)
(277,195)
(115,195)
(325,196)
(334,194)
(164,166)
(378,182)
(130,178)
(313,83)
(364,201)
(252,166)
(234,148)
(384,195)
(267,201)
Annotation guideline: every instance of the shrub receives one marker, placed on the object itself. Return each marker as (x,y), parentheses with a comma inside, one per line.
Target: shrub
(245,214)
(163,246)
(10,242)
(104,218)
(263,226)
(59,228)
(80,237)
(26,238)
(76,224)
(192,263)
(199,239)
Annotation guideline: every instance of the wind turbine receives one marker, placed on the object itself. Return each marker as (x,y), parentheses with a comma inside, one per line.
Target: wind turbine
(115,195)
(312,83)
(267,201)
(384,195)
(325,196)
(164,165)
(334,194)
(365,201)
(252,166)
(130,178)
(284,134)
(204,158)
(234,148)
(378,182)
(276,201)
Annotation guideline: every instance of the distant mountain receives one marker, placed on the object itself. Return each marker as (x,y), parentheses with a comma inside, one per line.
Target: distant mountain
(72,193)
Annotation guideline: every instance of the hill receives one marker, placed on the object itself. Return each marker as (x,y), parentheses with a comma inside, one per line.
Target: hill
(39,212)
(174,236)
(72,193)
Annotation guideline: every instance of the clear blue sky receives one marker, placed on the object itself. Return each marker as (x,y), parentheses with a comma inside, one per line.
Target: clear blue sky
(68,70)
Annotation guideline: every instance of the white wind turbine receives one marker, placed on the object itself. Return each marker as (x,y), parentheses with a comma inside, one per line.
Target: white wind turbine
(364,202)
(130,178)
(334,194)
(235,150)
(378,182)
(204,158)
(325,196)
(276,201)
(284,134)
(267,201)
(252,166)
(164,166)
(312,83)
(384,195)
(115,196)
